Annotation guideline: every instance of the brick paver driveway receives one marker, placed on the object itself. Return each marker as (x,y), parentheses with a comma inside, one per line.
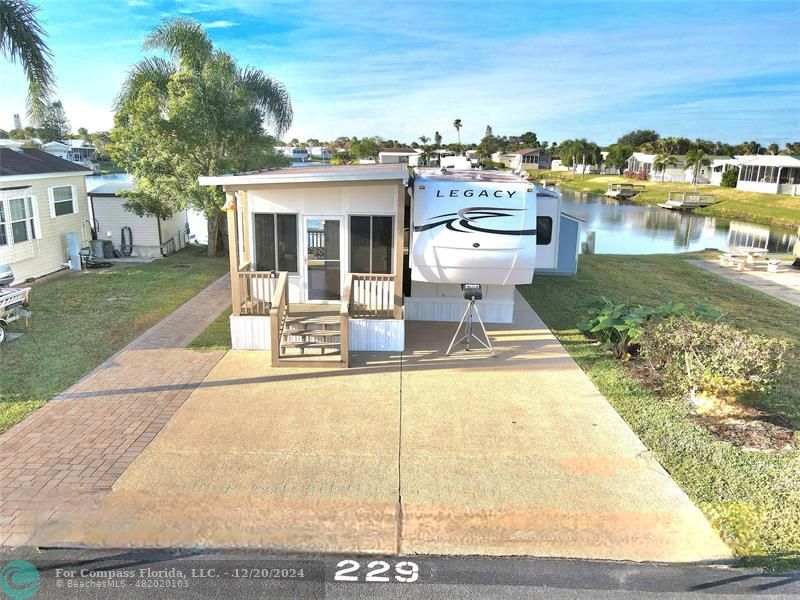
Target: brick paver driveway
(75,447)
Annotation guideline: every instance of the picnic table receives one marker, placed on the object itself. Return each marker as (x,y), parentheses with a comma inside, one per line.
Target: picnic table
(749,253)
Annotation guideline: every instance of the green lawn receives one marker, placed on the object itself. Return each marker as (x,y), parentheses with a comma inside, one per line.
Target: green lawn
(752,498)
(217,336)
(769,209)
(80,319)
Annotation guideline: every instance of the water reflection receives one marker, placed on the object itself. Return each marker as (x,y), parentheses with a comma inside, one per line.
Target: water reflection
(624,228)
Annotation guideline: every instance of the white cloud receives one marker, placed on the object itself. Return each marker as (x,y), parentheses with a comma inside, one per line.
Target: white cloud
(221,24)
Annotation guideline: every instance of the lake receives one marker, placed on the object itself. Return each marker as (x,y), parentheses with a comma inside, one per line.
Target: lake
(625,228)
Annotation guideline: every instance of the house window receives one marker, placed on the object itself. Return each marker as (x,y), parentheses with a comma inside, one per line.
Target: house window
(3,234)
(275,242)
(371,244)
(63,201)
(20,220)
(544,231)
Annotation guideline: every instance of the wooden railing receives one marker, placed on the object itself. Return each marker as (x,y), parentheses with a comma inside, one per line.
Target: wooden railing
(277,315)
(344,319)
(256,289)
(373,296)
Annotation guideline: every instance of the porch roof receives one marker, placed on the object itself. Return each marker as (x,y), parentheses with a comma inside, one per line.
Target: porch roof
(328,173)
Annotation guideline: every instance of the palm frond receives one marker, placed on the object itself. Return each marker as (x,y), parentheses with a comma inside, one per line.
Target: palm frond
(22,38)
(271,97)
(184,40)
(155,70)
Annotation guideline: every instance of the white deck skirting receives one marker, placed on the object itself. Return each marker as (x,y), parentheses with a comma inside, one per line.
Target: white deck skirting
(452,309)
(377,335)
(250,333)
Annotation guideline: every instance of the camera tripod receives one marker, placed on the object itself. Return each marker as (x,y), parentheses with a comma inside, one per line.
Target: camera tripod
(468,323)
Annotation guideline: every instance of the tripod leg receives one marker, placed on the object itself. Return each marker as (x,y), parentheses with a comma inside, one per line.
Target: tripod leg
(455,335)
(488,343)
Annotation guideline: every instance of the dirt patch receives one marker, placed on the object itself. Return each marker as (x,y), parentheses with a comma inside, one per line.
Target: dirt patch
(749,428)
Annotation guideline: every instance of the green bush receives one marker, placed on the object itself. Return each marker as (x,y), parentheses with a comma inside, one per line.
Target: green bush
(619,327)
(695,356)
(730,177)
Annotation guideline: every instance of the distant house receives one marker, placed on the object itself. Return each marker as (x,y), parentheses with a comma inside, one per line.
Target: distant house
(293,152)
(321,152)
(770,174)
(9,143)
(407,156)
(42,199)
(82,152)
(145,236)
(642,162)
(505,158)
(531,159)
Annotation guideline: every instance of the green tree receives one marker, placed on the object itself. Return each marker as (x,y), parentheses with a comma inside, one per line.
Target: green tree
(195,113)
(529,140)
(662,162)
(618,155)
(773,148)
(695,159)
(366,148)
(457,125)
(730,177)
(83,132)
(55,125)
(437,140)
(638,137)
(22,39)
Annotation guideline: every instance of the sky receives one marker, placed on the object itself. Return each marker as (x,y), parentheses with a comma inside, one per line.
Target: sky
(721,70)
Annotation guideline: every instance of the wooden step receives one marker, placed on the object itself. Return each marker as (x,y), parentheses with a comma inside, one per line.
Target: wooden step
(326,333)
(306,344)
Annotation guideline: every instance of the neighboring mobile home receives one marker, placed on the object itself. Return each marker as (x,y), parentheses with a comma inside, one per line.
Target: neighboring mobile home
(143,236)
(406,156)
(770,174)
(42,200)
(531,159)
(333,259)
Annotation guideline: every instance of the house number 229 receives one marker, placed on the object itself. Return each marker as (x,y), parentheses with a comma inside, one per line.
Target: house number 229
(377,571)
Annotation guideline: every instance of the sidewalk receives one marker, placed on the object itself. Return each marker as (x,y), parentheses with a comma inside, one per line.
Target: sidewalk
(783,285)
(76,446)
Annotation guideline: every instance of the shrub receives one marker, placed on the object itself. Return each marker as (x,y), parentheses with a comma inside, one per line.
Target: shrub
(619,327)
(730,177)
(712,358)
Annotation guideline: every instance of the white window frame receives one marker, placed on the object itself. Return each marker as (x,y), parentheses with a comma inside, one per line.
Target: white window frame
(32,227)
(51,197)
(5,240)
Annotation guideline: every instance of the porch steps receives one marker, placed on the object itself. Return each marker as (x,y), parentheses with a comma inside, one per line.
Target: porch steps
(311,339)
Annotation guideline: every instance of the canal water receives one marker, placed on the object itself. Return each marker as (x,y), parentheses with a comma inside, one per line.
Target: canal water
(624,228)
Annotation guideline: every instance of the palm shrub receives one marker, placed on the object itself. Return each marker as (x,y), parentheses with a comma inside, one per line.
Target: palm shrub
(697,357)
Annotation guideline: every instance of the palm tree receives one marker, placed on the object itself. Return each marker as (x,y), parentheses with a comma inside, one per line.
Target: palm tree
(457,125)
(662,161)
(189,47)
(426,149)
(21,38)
(695,159)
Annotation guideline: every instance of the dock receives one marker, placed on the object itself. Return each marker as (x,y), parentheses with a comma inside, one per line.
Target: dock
(688,200)
(623,190)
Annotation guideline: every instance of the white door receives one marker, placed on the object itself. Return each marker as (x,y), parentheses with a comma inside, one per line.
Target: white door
(323,259)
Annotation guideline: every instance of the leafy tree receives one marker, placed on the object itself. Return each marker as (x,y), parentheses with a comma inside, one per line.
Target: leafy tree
(489,145)
(101,141)
(529,140)
(3,133)
(83,132)
(791,148)
(571,152)
(489,132)
(195,113)
(695,159)
(366,148)
(17,134)
(22,38)
(662,162)
(437,140)
(638,137)
(618,155)
(55,125)
(773,148)
(730,177)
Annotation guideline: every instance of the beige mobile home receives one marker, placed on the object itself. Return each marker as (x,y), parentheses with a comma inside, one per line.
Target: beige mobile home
(42,200)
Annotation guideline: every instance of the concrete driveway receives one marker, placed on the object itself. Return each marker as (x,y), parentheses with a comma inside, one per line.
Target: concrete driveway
(419,453)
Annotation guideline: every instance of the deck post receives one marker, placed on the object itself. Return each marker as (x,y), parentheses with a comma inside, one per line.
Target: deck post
(398,251)
(233,250)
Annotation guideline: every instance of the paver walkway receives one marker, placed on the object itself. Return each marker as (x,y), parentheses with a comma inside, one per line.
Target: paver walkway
(76,446)
(784,285)
(403,453)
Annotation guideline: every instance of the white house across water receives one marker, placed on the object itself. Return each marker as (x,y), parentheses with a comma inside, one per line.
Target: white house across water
(329,260)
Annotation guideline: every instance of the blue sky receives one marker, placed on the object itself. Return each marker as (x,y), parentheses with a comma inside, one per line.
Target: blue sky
(720,70)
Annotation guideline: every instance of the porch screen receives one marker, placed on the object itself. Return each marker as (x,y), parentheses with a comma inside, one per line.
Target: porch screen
(371,244)
(275,242)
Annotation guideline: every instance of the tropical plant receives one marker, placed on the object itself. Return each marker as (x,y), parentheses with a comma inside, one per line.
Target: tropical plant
(695,160)
(55,125)
(191,114)
(619,327)
(662,162)
(457,125)
(22,38)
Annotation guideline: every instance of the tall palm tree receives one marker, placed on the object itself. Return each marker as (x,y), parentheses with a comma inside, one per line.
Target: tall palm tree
(22,38)
(695,159)
(188,47)
(662,161)
(426,149)
(457,125)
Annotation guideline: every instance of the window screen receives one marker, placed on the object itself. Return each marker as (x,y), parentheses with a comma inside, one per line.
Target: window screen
(371,244)
(544,231)
(275,242)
